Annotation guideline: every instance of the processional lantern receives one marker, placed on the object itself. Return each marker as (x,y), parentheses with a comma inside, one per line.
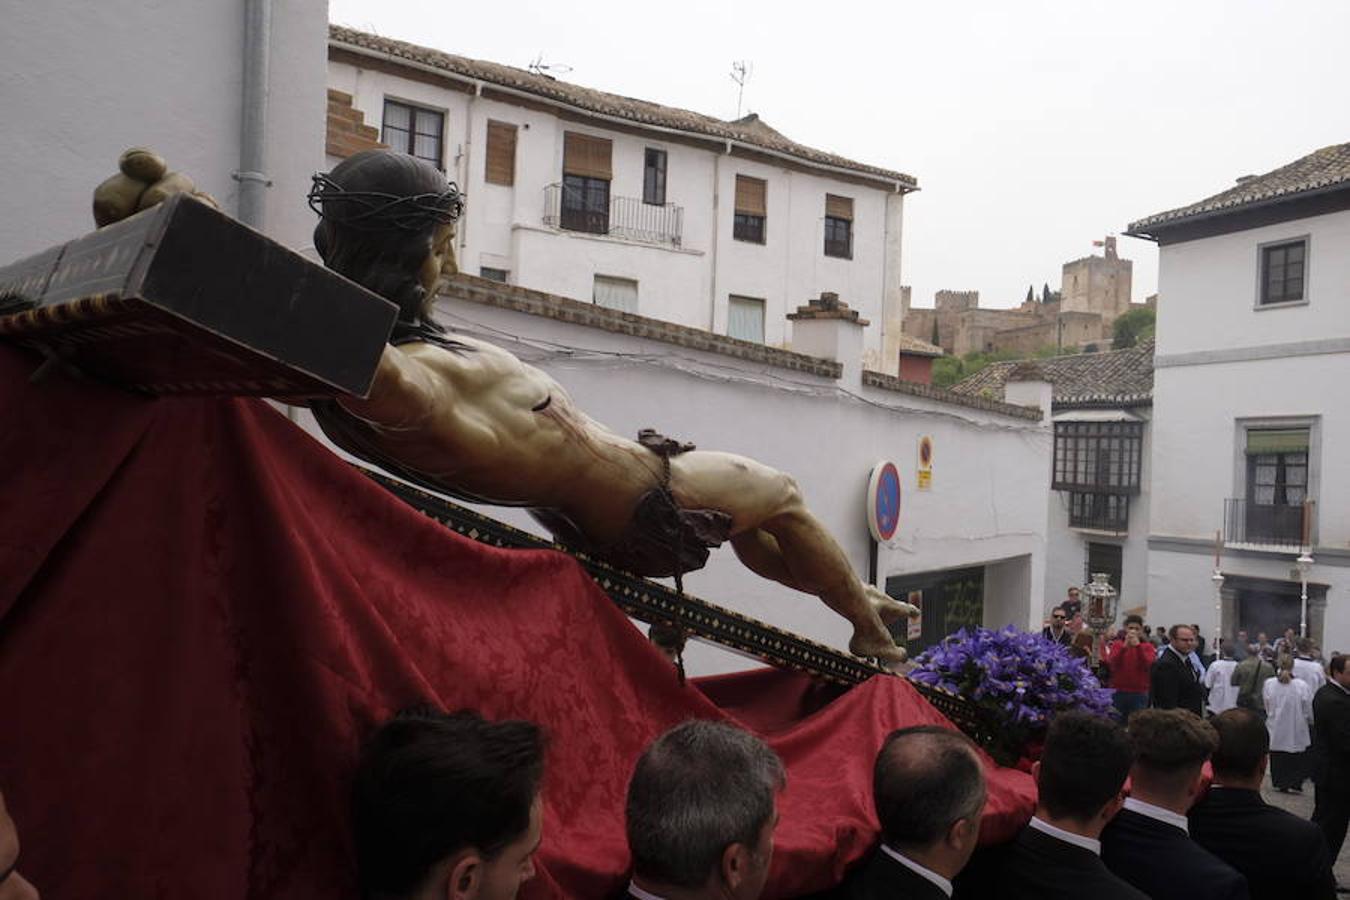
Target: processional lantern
(1100,606)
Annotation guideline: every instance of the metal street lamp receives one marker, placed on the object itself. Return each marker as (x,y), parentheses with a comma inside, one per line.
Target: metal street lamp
(1217,579)
(1304,564)
(1101,604)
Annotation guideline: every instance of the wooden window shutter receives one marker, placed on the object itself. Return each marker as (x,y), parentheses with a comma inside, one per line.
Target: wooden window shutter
(750,195)
(586,155)
(501,153)
(839,207)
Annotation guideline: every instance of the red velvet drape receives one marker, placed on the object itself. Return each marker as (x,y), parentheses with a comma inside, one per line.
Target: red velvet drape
(202,611)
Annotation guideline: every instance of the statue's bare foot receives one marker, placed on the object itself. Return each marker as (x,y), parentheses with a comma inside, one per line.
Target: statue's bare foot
(880,647)
(888,608)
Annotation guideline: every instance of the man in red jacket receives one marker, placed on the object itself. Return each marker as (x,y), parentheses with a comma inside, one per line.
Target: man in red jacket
(1129,660)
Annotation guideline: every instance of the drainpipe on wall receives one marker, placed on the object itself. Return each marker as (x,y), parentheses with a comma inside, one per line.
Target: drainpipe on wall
(462,226)
(716,228)
(253,181)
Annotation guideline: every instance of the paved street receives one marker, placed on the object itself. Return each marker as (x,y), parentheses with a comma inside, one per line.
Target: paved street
(1301,805)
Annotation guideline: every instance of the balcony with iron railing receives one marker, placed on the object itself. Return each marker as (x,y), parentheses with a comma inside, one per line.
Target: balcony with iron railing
(626,218)
(1108,513)
(1280,526)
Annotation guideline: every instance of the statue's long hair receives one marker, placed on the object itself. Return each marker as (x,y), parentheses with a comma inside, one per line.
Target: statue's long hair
(379,211)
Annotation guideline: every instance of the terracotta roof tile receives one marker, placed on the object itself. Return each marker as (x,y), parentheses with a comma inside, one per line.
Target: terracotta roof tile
(943,395)
(748,130)
(1328,167)
(909,344)
(1115,378)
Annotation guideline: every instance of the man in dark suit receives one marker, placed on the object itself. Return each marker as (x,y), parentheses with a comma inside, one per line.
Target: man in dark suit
(1280,854)
(1331,755)
(1174,680)
(1058,630)
(928,785)
(1148,843)
(1057,856)
(701,812)
(447,806)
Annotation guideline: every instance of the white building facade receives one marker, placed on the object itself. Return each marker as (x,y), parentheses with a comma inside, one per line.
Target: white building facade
(721,226)
(1251,423)
(1100,469)
(90,80)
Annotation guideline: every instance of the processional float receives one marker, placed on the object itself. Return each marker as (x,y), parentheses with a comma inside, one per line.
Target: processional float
(153,304)
(181,300)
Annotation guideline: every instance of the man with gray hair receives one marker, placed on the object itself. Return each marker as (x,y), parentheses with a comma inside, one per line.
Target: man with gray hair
(701,813)
(928,785)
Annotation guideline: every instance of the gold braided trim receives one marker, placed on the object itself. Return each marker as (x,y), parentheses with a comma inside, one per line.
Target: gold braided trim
(77,312)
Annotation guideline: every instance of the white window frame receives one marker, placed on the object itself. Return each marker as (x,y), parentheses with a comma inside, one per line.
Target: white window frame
(763,316)
(1266,423)
(606,289)
(1261,272)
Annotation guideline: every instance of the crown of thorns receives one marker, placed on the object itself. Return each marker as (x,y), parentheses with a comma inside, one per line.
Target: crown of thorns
(377,210)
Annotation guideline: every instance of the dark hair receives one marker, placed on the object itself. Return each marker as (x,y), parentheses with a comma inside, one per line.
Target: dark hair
(1060,608)
(1243,743)
(1134,619)
(1083,765)
(1172,632)
(1337,664)
(430,784)
(925,779)
(1171,741)
(699,788)
(379,211)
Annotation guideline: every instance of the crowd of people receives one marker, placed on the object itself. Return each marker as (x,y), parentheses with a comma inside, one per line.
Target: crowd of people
(449,806)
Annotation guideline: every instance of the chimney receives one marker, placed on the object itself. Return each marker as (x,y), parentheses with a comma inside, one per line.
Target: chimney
(827,327)
(1028,385)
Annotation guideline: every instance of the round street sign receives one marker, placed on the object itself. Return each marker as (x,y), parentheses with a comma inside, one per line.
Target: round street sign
(883,502)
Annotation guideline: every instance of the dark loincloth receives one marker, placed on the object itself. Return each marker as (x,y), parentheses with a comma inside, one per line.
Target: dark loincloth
(661,539)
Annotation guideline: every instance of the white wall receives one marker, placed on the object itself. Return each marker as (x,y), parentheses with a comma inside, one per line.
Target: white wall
(1203,387)
(1197,445)
(84,81)
(790,267)
(1208,289)
(990,472)
(1182,590)
(503,226)
(1007,585)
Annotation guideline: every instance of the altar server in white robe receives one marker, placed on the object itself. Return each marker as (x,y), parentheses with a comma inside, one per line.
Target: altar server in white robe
(1222,694)
(1288,714)
(1307,669)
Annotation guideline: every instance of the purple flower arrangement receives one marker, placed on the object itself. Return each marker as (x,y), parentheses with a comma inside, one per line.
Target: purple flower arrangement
(1017,680)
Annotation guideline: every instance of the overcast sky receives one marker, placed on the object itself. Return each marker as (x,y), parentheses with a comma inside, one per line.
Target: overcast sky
(1033,128)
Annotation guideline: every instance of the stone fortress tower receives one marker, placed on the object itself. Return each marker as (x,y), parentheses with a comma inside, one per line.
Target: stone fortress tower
(1094,292)
(1098,284)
